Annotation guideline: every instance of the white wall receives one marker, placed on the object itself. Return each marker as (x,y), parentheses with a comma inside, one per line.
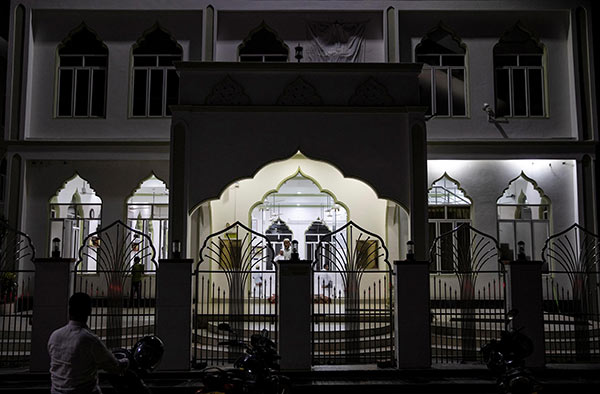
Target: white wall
(480,31)
(233,28)
(485,180)
(119,31)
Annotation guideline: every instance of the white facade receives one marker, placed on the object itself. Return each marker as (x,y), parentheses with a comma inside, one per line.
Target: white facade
(116,152)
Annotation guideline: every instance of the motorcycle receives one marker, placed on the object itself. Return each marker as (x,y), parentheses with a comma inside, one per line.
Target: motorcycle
(506,360)
(143,358)
(255,371)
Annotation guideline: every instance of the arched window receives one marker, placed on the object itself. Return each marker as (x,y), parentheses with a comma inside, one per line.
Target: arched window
(74,214)
(523,215)
(148,212)
(263,45)
(82,64)
(519,74)
(448,207)
(442,82)
(154,79)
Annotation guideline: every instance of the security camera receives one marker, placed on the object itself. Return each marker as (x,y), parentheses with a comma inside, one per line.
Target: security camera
(490,112)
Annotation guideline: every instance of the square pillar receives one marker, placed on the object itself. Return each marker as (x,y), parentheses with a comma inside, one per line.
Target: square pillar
(525,294)
(174,312)
(50,306)
(412,315)
(294,304)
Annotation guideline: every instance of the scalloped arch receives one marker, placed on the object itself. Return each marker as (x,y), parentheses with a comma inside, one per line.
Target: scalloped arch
(445,175)
(313,180)
(139,185)
(64,185)
(156,27)
(436,34)
(81,29)
(518,39)
(530,180)
(298,154)
(275,37)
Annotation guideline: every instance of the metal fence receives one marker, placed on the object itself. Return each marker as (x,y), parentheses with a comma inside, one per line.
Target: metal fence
(571,297)
(468,304)
(16,298)
(232,285)
(352,299)
(123,293)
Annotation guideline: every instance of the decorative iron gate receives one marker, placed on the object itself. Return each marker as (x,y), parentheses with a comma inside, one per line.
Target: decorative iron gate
(233,285)
(123,294)
(352,309)
(571,296)
(16,298)
(468,303)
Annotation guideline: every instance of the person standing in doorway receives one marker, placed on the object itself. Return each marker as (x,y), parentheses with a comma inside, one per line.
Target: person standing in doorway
(286,252)
(137,272)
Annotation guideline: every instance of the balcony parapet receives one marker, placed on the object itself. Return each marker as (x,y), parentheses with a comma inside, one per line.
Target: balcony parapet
(299,84)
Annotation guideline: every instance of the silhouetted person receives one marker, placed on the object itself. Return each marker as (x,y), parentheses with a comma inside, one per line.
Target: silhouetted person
(137,272)
(76,354)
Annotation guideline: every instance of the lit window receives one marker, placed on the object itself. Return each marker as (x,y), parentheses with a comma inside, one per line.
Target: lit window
(519,74)
(82,64)
(448,208)
(75,212)
(148,212)
(155,81)
(263,45)
(523,215)
(442,82)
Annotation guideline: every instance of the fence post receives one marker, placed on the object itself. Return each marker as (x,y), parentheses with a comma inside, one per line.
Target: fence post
(295,303)
(413,337)
(525,294)
(50,306)
(174,312)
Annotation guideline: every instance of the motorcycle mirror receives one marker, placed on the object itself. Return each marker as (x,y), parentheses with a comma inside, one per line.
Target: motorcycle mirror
(224,327)
(510,315)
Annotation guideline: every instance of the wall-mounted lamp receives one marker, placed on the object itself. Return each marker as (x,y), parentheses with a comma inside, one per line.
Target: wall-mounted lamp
(299,53)
(56,248)
(410,250)
(295,255)
(176,249)
(521,251)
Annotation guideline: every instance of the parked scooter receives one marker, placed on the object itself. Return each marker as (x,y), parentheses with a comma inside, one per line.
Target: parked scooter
(255,371)
(143,358)
(506,359)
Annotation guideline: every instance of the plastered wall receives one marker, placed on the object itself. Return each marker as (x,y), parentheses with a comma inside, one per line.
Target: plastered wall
(480,31)
(119,31)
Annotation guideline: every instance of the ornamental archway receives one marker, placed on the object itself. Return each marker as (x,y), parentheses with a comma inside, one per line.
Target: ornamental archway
(234,118)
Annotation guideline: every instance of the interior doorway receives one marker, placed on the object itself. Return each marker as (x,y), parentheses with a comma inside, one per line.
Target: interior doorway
(300,211)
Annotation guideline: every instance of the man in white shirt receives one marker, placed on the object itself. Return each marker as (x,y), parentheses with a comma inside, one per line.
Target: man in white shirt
(286,252)
(76,354)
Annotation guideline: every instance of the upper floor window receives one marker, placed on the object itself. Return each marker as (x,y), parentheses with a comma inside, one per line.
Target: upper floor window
(82,64)
(523,215)
(263,45)
(155,81)
(442,82)
(519,74)
(448,208)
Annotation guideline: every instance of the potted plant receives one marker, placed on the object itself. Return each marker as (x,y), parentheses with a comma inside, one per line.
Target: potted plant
(8,291)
